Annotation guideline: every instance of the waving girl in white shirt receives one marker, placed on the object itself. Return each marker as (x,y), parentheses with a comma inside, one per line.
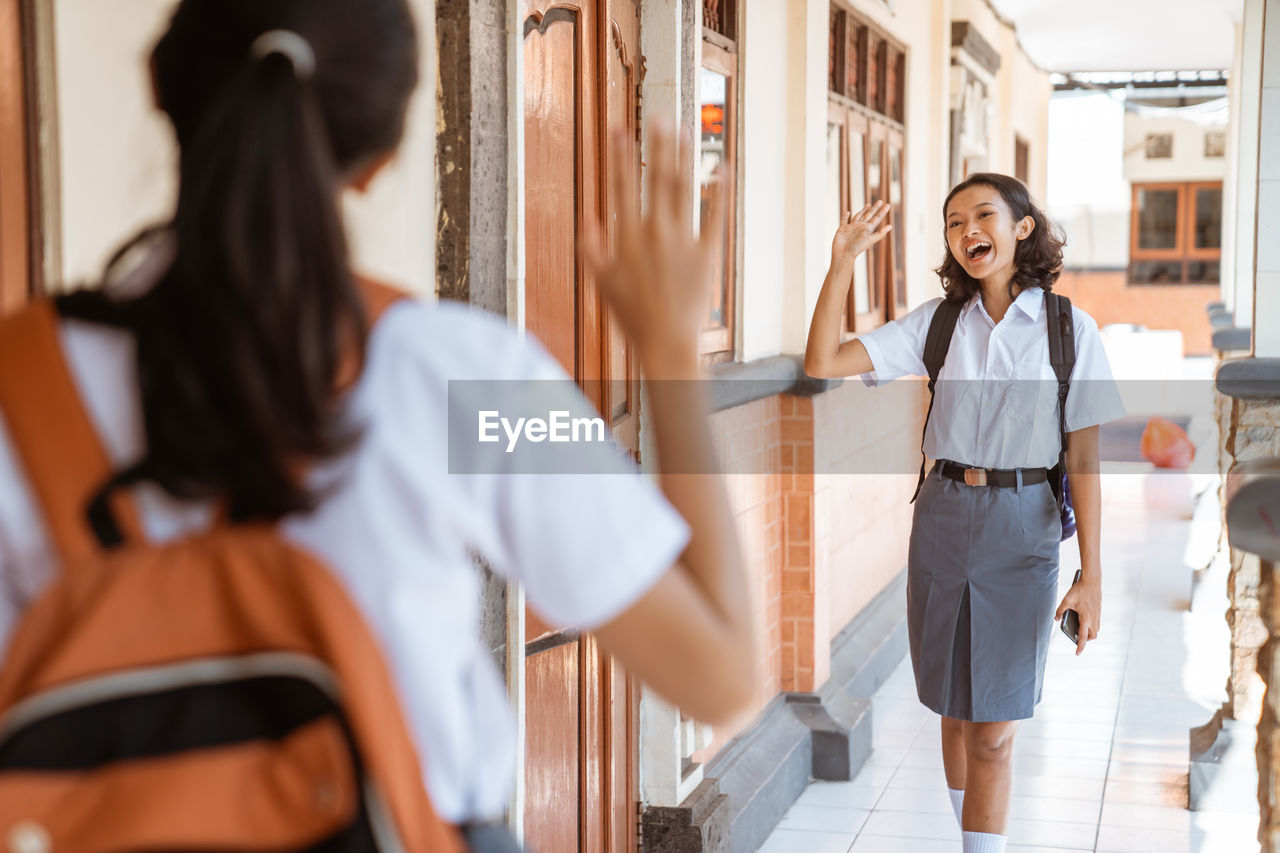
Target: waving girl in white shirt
(983,564)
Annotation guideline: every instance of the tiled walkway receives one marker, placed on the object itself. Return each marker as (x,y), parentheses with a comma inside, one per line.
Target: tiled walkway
(1103,766)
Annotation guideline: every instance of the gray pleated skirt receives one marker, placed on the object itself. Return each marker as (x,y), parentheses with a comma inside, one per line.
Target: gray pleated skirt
(982,585)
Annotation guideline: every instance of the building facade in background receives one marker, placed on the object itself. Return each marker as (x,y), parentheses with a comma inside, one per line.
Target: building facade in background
(1139,163)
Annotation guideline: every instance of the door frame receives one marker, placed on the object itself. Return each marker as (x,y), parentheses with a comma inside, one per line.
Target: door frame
(28,89)
(16,254)
(608,699)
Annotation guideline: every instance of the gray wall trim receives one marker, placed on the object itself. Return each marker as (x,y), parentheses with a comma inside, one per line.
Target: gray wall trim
(738,384)
(797,737)
(1250,378)
(1221,318)
(965,36)
(1233,338)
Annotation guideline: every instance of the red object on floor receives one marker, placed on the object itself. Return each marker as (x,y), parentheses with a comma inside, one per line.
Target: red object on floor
(1166,445)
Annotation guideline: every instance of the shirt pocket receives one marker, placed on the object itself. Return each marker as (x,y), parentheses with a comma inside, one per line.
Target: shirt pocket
(1033,397)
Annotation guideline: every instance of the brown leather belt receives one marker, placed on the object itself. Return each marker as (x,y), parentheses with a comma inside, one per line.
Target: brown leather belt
(1000,477)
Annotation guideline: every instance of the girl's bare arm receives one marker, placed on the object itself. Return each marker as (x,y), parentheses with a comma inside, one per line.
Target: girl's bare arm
(691,637)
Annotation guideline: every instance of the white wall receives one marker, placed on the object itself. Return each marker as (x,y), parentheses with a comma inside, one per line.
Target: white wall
(1087,193)
(118,159)
(393,227)
(1246,94)
(785,238)
(1188,162)
(1266,295)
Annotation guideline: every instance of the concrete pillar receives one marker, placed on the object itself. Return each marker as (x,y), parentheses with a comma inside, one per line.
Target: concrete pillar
(1241,192)
(807,239)
(1253,437)
(480,239)
(1266,307)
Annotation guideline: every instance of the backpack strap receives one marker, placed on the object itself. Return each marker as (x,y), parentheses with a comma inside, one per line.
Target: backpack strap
(1062,356)
(51,432)
(936,345)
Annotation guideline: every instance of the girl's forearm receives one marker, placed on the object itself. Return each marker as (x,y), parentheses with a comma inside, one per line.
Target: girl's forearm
(824,332)
(1086,497)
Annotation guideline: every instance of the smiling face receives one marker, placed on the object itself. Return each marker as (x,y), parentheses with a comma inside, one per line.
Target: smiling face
(982,233)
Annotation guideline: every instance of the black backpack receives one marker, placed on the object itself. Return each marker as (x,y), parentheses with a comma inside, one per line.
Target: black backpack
(1062,356)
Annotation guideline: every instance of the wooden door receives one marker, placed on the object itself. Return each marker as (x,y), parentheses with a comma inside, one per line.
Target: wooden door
(581,80)
(15,243)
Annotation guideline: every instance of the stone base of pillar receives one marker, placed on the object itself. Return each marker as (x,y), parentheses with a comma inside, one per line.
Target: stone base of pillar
(1223,774)
(699,825)
(1244,686)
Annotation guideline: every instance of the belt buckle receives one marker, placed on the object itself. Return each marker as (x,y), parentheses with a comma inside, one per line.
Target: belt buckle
(975,476)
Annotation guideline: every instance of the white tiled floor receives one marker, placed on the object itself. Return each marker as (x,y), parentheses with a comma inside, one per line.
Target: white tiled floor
(1103,766)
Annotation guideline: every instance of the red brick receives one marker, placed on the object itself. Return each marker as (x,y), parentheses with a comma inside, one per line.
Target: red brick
(797,430)
(797,581)
(797,606)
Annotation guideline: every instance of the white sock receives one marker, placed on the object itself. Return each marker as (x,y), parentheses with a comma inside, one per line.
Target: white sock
(983,842)
(957,801)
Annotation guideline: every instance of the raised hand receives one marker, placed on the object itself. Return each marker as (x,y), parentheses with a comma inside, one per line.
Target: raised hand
(859,232)
(657,276)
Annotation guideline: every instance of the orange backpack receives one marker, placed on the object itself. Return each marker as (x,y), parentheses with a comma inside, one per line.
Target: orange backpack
(220,692)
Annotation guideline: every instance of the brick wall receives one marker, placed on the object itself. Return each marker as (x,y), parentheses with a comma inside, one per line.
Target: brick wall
(1108,298)
(819,487)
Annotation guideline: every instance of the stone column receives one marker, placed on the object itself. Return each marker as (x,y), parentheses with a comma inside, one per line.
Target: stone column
(1250,432)
(1268,748)
(1252,510)
(1254,495)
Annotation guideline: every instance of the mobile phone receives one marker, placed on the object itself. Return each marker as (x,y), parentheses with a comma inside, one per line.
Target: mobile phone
(1071,619)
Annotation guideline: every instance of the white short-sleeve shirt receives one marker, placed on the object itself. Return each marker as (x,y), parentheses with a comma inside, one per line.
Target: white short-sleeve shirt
(400,530)
(996,399)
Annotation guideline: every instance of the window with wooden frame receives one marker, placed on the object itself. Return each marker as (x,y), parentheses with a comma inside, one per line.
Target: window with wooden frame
(721,17)
(1022,159)
(718,99)
(1176,234)
(866,84)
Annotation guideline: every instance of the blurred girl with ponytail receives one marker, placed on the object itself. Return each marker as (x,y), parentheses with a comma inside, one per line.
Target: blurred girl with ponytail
(238,378)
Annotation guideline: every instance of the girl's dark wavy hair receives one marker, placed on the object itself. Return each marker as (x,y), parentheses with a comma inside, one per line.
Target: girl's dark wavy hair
(241,340)
(1037,259)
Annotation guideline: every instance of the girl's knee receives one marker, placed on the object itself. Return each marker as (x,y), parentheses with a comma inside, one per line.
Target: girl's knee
(990,741)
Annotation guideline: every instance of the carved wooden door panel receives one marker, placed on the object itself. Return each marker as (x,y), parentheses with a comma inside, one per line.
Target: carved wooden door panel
(581,80)
(15,248)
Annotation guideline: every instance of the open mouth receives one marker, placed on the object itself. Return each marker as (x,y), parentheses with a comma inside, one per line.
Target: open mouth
(978,250)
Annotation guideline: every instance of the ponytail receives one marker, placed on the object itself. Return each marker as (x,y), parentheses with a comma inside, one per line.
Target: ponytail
(240,342)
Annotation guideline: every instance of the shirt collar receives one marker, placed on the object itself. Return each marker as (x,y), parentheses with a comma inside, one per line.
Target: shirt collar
(1030,302)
